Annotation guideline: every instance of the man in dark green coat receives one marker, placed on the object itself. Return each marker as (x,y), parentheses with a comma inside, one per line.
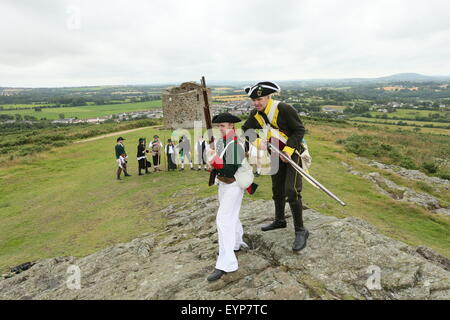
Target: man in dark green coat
(121,157)
(226,160)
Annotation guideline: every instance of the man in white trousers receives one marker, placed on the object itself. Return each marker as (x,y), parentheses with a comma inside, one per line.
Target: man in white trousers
(226,160)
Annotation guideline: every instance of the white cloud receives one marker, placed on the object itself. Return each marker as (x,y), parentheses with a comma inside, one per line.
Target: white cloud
(131,42)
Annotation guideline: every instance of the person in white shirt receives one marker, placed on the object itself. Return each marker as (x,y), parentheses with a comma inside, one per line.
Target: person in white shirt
(156,147)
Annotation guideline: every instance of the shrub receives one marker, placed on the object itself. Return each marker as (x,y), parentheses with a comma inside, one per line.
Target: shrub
(407,163)
(445,176)
(430,167)
(353,147)
(59,144)
(424,187)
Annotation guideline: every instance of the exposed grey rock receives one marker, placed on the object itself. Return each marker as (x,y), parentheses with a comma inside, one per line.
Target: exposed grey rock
(397,192)
(173,264)
(347,166)
(433,256)
(442,211)
(410,174)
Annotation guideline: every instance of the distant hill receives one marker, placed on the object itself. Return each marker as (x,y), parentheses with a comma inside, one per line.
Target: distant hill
(400,77)
(412,77)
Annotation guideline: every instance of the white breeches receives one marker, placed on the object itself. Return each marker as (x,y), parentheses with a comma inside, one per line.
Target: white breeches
(229,226)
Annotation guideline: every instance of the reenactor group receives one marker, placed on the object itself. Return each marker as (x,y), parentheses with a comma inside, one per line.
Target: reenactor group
(276,123)
(180,152)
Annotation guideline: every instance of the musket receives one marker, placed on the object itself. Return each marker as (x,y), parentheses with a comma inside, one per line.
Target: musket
(303,173)
(207,113)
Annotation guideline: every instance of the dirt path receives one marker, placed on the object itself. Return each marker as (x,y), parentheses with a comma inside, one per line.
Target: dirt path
(114,134)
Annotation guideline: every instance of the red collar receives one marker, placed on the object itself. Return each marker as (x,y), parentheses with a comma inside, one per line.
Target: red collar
(230,134)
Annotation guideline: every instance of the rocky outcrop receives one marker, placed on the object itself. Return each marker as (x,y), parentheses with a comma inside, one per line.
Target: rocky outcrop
(396,192)
(345,259)
(415,175)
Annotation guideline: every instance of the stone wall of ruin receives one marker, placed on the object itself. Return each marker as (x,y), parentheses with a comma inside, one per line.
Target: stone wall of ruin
(181,109)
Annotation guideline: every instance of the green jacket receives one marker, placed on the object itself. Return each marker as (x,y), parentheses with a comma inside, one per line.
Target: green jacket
(120,149)
(232,158)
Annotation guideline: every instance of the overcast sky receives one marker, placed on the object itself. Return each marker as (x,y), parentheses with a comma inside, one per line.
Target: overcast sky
(96,42)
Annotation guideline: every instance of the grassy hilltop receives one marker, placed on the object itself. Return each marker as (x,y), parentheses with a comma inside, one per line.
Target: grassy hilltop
(66,201)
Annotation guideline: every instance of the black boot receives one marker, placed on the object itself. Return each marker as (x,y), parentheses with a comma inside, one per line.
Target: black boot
(280,221)
(301,234)
(301,237)
(297,214)
(216,275)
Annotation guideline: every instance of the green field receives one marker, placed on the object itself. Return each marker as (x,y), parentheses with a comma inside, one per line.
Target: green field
(412,113)
(67,202)
(409,122)
(22,106)
(85,112)
(393,126)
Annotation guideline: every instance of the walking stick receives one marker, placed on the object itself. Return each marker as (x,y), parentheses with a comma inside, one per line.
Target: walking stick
(208,122)
(166,166)
(145,154)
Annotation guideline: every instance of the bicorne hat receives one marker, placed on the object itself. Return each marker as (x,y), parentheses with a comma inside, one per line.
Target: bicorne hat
(262,89)
(225,117)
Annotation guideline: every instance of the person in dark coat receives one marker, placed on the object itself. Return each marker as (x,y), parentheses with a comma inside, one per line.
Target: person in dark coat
(143,164)
(200,150)
(171,155)
(121,158)
(283,127)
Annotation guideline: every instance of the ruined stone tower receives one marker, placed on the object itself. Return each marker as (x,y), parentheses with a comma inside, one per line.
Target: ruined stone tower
(183,105)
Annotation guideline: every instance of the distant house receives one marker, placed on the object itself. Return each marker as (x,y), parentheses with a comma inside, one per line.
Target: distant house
(64,121)
(96,120)
(332,110)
